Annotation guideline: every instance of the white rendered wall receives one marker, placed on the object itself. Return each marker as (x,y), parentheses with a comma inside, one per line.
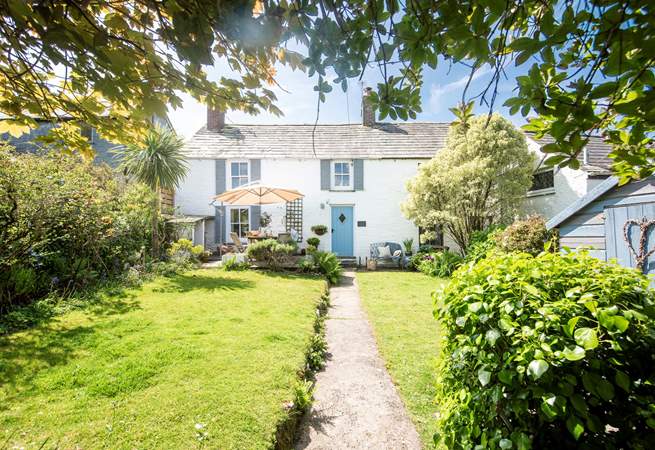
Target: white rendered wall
(193,197)
(569,186)
(378,204)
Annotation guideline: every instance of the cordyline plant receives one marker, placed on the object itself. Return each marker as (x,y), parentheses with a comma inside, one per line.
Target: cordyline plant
(552,351)
(158,163)
(112,65)
(477,180)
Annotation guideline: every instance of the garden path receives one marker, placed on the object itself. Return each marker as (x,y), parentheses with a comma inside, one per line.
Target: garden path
(356,405)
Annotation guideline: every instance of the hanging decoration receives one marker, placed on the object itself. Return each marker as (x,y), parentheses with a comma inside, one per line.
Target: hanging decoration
(644,224)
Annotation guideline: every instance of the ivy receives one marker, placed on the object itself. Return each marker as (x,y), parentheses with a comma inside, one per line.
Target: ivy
(546,351)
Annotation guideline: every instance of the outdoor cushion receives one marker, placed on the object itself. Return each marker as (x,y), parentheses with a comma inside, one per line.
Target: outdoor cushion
(397,253)
(384,252)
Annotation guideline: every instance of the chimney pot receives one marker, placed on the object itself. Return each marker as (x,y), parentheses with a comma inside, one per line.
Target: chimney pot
(215,119)
(368,114)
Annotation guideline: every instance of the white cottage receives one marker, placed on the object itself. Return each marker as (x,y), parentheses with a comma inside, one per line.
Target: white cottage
(353,177)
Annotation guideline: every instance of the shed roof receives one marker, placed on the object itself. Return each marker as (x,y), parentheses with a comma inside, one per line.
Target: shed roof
(580,203)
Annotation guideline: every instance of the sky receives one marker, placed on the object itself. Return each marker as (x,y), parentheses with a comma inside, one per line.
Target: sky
(442,89)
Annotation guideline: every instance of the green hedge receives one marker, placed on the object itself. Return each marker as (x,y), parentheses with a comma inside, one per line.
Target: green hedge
(64,225)
(553,351)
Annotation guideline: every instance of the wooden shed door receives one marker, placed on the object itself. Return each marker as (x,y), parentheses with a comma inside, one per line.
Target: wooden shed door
(616,246)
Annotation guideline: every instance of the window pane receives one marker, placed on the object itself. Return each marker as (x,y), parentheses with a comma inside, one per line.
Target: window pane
(234,228)
(244,215)
(346,180)
(244,230)
(243,169)
(234,215)
(543,180)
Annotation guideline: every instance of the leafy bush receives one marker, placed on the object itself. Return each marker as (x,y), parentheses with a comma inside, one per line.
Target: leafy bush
(436,264)
(183,250)
(313,242)
(328,264)
(481,243)
(307,265)
(528,236)
(65,225)
(231,265)
(271,252)
(553,351)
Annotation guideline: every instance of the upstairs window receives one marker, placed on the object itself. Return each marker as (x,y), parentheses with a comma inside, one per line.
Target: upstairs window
(542,182)
(239,174)
(342,178)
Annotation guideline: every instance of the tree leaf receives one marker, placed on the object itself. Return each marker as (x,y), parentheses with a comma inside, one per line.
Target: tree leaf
(586,337)
(484,377)
(537,368)
(622,380)
(575,426)
(492,336)
(574,354)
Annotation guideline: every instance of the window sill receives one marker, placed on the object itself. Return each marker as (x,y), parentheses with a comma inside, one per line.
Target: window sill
(541,192)
(342,190)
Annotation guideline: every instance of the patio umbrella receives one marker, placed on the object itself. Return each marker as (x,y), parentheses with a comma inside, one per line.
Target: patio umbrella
(258,194)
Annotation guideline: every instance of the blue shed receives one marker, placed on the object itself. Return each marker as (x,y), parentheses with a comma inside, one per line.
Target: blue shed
(615,221)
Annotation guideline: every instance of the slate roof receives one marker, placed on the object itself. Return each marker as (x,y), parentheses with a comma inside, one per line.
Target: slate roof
(414,140)
(597,151)
(382,141)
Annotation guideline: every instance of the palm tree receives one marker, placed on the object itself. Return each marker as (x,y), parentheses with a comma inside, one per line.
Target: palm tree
(158,163)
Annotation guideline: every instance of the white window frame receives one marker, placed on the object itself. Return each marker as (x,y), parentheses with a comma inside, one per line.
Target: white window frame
(231,175)
(545,191)
(333,175)
(229,223)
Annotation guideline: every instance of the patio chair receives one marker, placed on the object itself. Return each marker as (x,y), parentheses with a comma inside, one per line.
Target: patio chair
(395,256)
(284,238)
(241,248)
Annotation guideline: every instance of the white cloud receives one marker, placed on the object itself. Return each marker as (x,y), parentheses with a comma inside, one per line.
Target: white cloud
(437,91)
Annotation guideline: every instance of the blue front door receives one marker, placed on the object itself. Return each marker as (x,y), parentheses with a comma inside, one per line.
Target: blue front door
(342,230)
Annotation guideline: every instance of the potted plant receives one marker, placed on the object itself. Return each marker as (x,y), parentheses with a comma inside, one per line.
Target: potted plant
(408,244)
(312,244)
(319,230)
(265,220)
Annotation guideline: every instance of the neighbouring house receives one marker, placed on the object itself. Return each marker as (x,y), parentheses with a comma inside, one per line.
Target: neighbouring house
(353,177)
(612,220)
(554,189)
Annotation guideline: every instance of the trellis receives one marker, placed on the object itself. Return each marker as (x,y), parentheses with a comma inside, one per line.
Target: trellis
(294,217)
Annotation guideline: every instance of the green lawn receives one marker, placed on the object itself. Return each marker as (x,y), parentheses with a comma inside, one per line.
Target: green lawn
(214,350)
(399,306)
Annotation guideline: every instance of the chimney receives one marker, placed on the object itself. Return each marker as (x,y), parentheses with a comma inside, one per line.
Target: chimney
(368,114)
(215,119)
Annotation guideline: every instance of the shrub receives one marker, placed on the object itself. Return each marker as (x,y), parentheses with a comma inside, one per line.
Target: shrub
(408,244)
(307,265)
(271,252)
(313,242)
(183,250)
(231,265)
(481,243)
(528,236)
(553,351)
(65,225)
(328,264)
(437,264)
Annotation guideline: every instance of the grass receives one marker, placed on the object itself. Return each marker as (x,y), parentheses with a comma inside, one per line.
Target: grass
(399,307)
(206,358)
